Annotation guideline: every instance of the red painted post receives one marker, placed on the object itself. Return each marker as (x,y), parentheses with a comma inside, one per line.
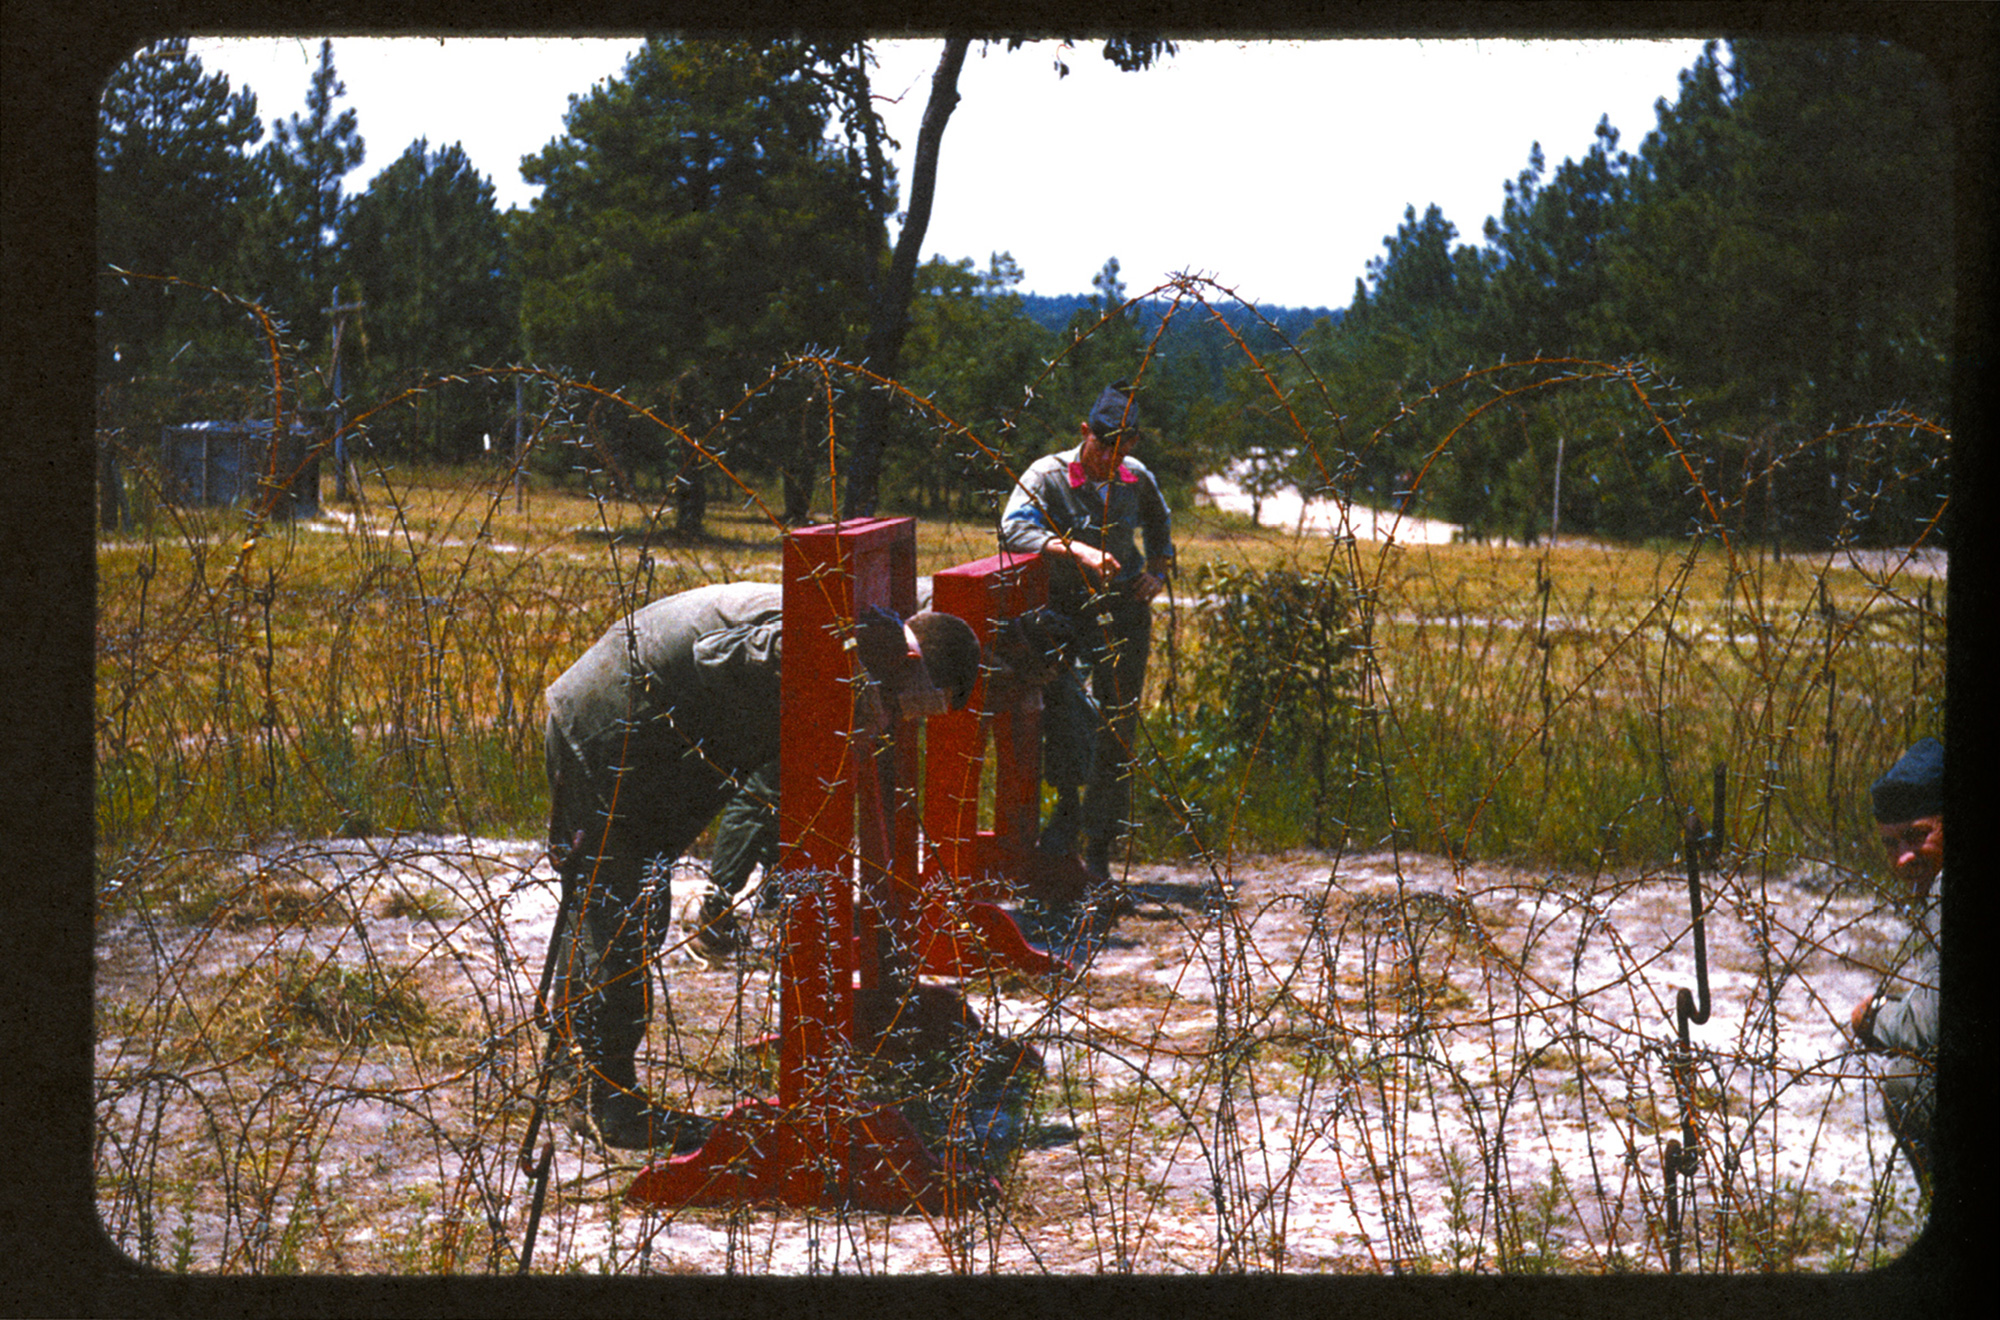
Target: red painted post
(960,929)
(983,593)
(842,851)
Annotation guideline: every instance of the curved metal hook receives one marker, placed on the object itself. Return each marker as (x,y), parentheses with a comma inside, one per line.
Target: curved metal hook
(1691,1007)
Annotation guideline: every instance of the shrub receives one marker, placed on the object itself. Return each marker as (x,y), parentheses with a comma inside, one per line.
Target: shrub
(1270,690)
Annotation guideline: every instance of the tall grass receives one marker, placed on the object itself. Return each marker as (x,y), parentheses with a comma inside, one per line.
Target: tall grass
(1571,718)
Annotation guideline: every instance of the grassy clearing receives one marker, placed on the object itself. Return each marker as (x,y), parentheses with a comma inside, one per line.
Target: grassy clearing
(382,671)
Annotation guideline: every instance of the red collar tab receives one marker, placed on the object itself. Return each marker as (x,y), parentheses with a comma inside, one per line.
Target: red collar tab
(1077,476)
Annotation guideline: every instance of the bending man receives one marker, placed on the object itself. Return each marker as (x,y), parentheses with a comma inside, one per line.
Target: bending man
(1085,510)
(668,720)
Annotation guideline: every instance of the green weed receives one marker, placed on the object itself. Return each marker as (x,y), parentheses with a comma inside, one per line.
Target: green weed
(351,1006)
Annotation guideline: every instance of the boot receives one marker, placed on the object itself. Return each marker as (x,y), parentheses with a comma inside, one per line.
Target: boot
(1056,883)
(626,1119)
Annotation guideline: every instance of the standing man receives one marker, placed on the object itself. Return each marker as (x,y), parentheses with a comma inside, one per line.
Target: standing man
(1901,1019)
(671,717)
(1085,511)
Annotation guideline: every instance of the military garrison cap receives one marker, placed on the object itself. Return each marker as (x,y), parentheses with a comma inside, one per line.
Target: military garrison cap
(1914,786)
(1116,411)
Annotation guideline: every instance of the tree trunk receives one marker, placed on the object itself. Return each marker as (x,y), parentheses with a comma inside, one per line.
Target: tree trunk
(798,471)
(889,316)
(690,498)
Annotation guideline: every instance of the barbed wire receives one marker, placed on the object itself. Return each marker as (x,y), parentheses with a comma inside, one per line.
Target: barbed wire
(1404,1050)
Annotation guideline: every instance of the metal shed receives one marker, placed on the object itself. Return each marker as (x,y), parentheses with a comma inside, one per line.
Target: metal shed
(227,463)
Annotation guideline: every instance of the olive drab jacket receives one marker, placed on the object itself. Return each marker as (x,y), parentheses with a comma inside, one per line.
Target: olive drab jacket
(684,687)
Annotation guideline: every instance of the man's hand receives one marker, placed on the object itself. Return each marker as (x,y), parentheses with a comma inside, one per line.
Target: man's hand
(1095,564)
(1862,1021)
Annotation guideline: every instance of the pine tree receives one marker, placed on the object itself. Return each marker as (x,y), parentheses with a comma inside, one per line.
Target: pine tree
(174,182)
(696,224)
(1786,258)
(1549,280)
(971,350)
(308,158)
(425,248)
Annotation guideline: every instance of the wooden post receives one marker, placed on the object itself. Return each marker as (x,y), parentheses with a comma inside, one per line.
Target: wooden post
(339,313)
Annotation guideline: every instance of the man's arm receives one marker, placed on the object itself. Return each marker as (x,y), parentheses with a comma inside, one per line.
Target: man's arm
(1156,533)
(1033,524)
(1903,1023)
(1026,524)
(1157,525)
(1907,1025)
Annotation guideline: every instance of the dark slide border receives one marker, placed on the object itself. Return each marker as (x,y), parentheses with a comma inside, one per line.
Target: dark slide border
(56,1261)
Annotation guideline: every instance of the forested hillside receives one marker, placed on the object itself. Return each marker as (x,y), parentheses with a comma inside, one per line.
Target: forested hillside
(1053,312)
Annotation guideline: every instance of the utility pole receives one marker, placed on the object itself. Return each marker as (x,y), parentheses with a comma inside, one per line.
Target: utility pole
(339,312)
(520,449)
(1556,505)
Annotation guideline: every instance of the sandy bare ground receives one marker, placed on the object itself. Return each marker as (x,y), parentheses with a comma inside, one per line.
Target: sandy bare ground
(1288,510)
(1305,1063)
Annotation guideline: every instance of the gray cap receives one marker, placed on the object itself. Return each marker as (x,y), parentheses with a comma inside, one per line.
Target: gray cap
(1914,786)
(1116,411)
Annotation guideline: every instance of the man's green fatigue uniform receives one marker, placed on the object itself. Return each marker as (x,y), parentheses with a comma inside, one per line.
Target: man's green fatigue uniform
(1906,1028)
(1054,499)
(670,718)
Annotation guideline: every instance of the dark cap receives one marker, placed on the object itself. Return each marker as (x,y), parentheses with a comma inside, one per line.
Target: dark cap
(1914,786)
(951,653)
(1116,411)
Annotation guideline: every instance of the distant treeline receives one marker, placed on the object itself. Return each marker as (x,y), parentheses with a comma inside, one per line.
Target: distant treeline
(1054,312)
(1746,319)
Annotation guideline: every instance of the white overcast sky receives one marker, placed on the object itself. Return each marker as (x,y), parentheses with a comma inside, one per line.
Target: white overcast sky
(1275,168)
